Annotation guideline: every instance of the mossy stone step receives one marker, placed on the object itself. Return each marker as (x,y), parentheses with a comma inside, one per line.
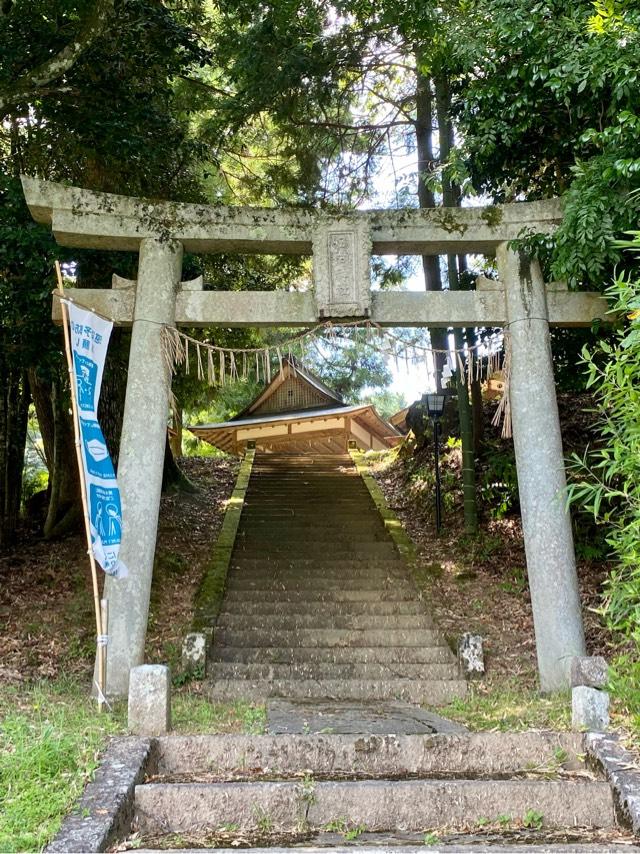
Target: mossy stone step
(317,548)
(308,572)
(315,586)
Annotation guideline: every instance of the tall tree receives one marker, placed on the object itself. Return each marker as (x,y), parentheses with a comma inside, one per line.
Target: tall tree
(108,121)
(548,104)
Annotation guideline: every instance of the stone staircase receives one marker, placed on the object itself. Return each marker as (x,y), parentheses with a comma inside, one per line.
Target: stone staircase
(377,793)
(318,602)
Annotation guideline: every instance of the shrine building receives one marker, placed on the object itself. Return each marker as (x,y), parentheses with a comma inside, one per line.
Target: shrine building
(297,413)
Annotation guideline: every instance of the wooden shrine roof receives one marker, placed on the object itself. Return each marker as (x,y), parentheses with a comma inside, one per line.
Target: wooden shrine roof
(298,412)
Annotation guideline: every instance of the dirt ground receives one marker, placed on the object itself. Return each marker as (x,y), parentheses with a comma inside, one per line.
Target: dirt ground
(46,599)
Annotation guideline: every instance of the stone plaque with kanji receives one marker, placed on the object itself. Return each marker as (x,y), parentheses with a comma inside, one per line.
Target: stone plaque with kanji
(341,263)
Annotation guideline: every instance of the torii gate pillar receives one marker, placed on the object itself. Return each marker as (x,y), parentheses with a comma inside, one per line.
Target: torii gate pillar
(548,538)
(142,447)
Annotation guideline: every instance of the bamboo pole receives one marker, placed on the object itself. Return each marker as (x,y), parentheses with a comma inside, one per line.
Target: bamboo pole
(100,634)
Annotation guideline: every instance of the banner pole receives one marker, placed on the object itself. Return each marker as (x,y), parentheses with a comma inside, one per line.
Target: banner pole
(100,635)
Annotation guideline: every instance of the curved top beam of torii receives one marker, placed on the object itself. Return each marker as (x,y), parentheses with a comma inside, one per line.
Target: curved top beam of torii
(341,244)
(90,220)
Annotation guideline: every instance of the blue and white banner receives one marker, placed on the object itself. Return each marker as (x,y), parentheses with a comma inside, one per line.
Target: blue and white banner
(89,342)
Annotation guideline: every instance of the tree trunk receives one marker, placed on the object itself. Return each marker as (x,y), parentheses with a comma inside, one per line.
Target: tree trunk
(451,198)
(14,415)
(478,415)
(114,387)
(41,396)
(65,507)
(426,199)
(173,478)
(175,438)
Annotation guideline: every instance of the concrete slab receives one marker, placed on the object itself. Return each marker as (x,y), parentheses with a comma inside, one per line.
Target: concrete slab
(286,716)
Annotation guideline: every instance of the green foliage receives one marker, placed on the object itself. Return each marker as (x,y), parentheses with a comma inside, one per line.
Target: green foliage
(533,819)
(499,481)
(349,366)
(555,110)
(34,480)
(606,480)
(26,278)
(624,685)
(386,402)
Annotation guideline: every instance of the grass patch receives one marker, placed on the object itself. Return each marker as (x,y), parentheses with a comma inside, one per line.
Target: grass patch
(50,739)
(510,708)
(194,713)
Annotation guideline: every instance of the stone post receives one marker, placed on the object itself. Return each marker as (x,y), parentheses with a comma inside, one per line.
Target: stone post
(537,440)
(141,460)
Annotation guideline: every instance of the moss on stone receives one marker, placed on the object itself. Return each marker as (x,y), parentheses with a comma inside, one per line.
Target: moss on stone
(391,522)
(492,215)
(209,597)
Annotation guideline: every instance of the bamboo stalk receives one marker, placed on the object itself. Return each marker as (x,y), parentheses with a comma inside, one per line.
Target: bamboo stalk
(101,646)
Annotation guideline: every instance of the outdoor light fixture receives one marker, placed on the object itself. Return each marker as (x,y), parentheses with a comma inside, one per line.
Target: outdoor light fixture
(435,402)
(435,405)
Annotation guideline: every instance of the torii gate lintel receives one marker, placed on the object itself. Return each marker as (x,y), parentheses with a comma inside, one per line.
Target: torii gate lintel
(341,247)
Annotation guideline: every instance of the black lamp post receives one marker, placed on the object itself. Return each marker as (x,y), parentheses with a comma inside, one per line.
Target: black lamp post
(435,409)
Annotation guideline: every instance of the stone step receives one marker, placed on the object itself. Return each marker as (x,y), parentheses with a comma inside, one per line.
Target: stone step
(286,575)
(432,693)
(327,562)
(309,510)
(237,604)
(239,597)
(291,527)
(317,585)
(375,579)
(338,654)
(328,637)
(317,548)
(312,503)
(307,514)
(377,805)
(287,519)
(274,624)
(343,489)
(268,539)
(471,755)
(366,671)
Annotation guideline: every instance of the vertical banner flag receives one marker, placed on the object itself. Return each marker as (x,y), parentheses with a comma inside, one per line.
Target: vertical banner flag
(89,341)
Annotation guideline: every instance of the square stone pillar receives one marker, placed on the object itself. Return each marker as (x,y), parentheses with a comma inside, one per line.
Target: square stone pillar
(537,441)
(141,460)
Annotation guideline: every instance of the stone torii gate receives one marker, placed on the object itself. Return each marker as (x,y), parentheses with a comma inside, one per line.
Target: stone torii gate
(341,246)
